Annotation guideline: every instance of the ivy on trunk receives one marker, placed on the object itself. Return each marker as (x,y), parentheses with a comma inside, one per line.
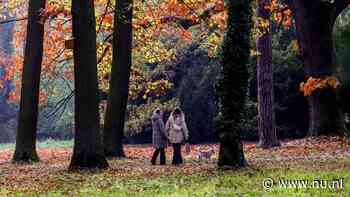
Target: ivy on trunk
(232,83)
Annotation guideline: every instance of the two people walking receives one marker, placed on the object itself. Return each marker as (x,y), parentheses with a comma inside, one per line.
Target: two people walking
(174,131)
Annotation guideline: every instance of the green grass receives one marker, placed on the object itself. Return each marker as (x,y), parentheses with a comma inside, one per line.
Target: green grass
(7,146)
(246,182)
(48,143)
(51,143)
(125,178)
(243,183)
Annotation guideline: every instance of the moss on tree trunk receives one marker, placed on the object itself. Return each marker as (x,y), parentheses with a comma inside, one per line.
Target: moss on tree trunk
(232,83)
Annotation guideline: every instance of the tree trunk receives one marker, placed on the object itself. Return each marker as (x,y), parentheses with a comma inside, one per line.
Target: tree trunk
(233,82)
(28,114)
(267,130)
(231,153)
(88,150)
(314,24)
(119,82)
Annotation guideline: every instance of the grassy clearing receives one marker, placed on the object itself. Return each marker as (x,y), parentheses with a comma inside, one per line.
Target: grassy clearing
(51,143)
(242,183)
(245,182)
(46,144)
(308,160)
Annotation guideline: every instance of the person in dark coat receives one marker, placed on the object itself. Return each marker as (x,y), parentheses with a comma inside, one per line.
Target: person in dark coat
(159,137)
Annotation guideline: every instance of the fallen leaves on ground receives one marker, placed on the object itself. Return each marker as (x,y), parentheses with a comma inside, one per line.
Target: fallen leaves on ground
(51,173)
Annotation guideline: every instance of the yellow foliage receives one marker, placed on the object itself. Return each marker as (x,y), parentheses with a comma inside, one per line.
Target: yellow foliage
(157,88)
(262,26)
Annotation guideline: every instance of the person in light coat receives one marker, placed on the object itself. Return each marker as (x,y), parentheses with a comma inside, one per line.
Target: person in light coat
(159,137)
(178,133)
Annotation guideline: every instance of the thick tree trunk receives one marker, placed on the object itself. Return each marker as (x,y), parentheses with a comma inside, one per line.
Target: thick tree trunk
(314,23)
(231,153)
(267,130)
(232,83)
(119,82)
(88,150)
(28,115)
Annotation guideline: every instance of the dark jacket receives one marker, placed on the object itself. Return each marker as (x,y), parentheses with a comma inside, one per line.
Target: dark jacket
(159,137)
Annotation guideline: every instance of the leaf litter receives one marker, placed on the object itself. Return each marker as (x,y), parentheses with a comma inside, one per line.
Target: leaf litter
(51,172)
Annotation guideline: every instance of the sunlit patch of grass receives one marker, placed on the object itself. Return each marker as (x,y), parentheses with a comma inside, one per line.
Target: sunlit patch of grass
(135,176)
(245,182)
(7,146)
(51,143)
(45,144)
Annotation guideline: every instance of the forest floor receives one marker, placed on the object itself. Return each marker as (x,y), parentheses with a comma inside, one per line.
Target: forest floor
(310,159)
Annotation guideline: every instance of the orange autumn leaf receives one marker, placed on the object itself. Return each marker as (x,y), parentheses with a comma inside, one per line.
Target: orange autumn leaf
(318,84)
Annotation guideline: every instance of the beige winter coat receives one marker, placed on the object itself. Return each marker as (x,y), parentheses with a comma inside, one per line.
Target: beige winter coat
(177,129)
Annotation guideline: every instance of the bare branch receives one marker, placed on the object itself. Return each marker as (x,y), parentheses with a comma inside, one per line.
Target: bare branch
(13,20)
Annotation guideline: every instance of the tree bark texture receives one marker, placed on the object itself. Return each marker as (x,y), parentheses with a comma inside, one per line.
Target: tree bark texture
(25,150)
(119,82)
(266,115)
(232,83)
(88,150)
(314,21)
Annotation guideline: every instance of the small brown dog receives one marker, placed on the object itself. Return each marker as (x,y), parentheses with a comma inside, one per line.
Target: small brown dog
(205,154)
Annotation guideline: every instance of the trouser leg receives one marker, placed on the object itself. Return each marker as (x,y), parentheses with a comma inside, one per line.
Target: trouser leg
(177,154)
(162,156)
(174,154)
(155,155)
(180,154)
